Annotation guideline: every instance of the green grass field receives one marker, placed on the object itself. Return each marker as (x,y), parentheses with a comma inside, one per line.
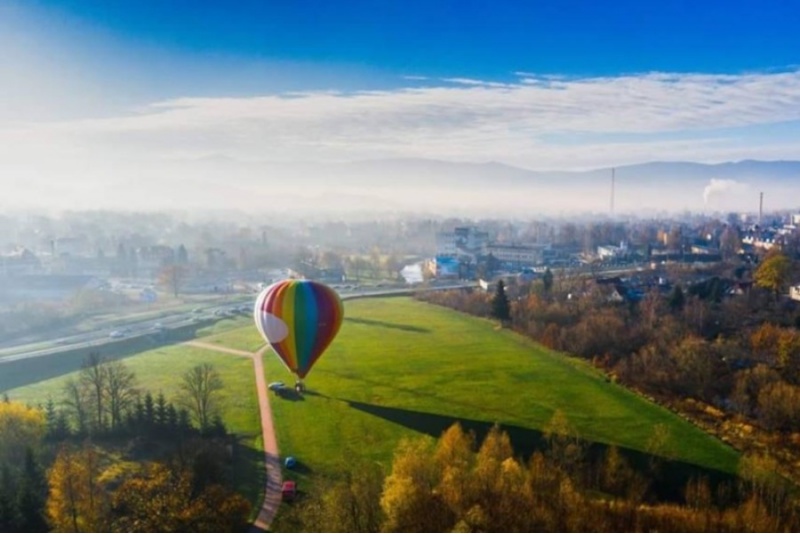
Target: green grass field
(246,338)
(400,367)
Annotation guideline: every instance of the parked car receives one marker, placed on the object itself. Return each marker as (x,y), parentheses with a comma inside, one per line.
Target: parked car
(289,490)
(276,386)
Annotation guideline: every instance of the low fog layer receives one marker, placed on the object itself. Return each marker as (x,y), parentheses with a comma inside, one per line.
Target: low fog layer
(420,186)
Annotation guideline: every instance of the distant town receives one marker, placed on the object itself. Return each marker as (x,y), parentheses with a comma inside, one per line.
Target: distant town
(143,258)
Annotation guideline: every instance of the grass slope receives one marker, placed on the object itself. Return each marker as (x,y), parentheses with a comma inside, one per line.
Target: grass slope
(400,367)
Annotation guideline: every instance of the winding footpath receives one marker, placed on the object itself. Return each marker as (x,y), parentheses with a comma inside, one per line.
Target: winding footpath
(272,462)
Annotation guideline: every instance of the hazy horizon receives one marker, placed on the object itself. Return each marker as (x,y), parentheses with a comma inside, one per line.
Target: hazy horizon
(112,108)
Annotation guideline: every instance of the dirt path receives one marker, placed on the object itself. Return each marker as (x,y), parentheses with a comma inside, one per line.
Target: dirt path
(272,461)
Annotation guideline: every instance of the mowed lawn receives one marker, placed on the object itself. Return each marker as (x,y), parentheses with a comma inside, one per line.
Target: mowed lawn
(160,370)
(401,368)
(247,339)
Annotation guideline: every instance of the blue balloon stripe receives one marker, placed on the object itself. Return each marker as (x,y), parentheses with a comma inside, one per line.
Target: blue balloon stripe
(305,317)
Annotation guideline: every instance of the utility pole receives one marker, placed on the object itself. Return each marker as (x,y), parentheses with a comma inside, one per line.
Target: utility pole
(613,179)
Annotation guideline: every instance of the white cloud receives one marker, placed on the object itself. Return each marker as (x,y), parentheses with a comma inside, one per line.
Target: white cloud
(461,119)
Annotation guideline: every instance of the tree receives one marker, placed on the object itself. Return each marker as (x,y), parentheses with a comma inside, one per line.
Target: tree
(183,256)
(31,496)
(20,427)
(93,377)
(501,309)
(120,390)
(676,298)
(173,277)
(163,500)
(351,504)
(547,280)
(729,243)
(9,518)
(200,386)
(408,500)
(455,458)
(161,414)
(76,500)
(77,401)
(773,273)
(149,411)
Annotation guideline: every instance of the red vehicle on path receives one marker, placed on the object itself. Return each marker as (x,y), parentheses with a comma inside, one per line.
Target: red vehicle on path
(289,490)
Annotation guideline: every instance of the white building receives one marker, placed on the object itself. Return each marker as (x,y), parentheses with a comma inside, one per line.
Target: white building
(520,254)
(606,252)
(463,240)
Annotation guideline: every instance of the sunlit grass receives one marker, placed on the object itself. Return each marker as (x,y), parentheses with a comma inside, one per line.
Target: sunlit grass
(404,362)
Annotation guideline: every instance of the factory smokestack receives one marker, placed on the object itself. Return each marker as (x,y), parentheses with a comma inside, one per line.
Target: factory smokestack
(760,207)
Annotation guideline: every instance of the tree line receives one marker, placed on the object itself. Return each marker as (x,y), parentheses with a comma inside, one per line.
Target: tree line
(113,457)
(459,485)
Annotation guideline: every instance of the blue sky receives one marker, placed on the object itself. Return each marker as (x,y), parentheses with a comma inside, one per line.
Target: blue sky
(91,85)
(465,38)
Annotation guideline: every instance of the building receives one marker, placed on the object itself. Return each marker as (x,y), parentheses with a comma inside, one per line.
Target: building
(71,246)
(444,267)
(152,259)
(794,292)
(610,252)
(518,255)
(20,261)
(463,240)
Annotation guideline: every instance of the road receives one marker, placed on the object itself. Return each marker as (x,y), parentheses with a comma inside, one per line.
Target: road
(138,327)
(122,328)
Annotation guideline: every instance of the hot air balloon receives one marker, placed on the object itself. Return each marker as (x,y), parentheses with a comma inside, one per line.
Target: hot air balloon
(299,319)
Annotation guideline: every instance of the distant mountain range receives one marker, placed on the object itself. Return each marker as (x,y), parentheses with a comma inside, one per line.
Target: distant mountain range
(425,186)
(667,186)
(749,171)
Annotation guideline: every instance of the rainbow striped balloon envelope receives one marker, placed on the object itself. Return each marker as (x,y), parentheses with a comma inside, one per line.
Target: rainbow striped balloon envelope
(299,319)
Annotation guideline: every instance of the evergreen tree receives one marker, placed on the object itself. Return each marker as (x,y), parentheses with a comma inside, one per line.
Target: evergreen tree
(717,290)
(161,411)
(50,418)
(149,411)
(139,417)
(547,280)
(9,521)
(218,427)
(31,496)
(184,420)
(172,418)
(676,298)
(183,256)
(62,430)
(501,309)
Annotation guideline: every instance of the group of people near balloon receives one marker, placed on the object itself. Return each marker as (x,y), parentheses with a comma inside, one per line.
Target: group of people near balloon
(299,319)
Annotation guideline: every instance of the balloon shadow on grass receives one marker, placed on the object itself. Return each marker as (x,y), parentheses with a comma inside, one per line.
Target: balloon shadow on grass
(669,480)
(289,394)
(386,324)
